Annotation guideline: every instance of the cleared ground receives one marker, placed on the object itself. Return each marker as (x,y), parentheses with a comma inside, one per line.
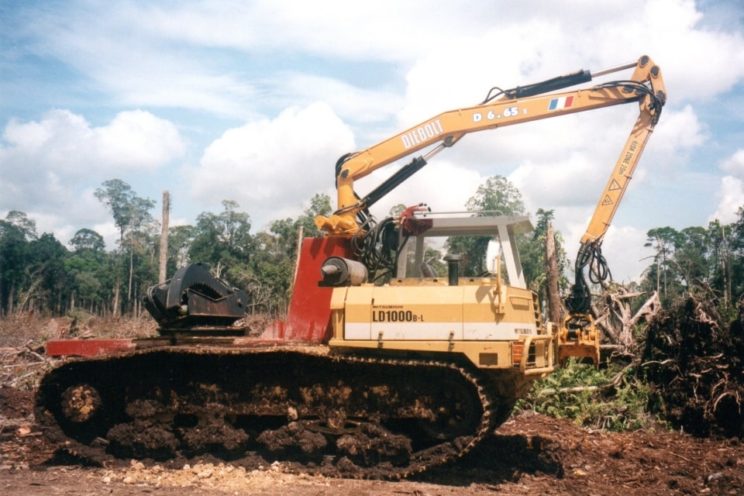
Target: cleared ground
(530,454)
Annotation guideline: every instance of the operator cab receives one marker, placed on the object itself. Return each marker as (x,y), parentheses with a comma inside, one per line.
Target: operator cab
(421,224)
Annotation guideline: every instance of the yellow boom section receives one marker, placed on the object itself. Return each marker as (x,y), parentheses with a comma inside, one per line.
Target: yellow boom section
(448,127)
(620,178)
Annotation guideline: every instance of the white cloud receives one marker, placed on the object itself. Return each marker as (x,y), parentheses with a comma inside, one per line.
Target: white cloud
(197,55)
(671,32)
(568,182)
(109,46)
(385,29)
(363,106)
(64,142)
(270,165)
(622,246)
(80,210)
(519,52)
(734,165)
(731,198)
(443,185)
(678,132)
(731,191)
(109,232)
(48,165)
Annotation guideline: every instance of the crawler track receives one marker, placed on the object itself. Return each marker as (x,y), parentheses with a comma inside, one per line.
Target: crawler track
(335,415)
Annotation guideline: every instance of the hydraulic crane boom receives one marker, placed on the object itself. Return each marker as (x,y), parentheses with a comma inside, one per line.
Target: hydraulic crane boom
(506,108)
(590,253)
(578,335)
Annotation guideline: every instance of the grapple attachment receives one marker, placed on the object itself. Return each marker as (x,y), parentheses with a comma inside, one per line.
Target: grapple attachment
(578,338)
(194,298)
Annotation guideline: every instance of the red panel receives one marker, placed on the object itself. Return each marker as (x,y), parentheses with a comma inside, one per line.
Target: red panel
(87,347)
(309,313)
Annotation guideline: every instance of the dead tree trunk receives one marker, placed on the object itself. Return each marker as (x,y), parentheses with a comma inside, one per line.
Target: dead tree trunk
(25,299)
(115,309)
(614,318)
(162,275)
(11,301)
(131,274)
(647,310)
(551,262)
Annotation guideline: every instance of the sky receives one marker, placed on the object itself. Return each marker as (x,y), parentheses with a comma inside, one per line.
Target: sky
(254,101)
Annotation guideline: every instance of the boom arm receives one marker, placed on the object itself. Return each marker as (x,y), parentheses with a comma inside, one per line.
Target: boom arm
(625,165)
(515,106)
(590,249)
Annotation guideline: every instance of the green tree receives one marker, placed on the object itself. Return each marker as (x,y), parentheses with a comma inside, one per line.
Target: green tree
(87,239)
(320,204)
(45,285)
(532,254)
(272,268)
(20,220)
(736,256)
(223,240)
(696,256)
(692,256)
(663,240)
(497,195)
(132,217)
(180,239)
(86,270)
(16,231)
(128,209)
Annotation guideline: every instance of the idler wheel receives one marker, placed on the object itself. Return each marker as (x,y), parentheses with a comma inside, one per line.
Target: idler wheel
(80,402)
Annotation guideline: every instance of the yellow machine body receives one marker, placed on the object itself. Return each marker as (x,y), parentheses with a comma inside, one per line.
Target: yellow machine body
(494,325)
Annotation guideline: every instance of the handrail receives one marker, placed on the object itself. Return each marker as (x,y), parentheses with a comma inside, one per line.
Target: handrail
(549,355)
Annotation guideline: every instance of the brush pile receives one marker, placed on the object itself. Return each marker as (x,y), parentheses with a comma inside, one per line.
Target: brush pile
(695,365)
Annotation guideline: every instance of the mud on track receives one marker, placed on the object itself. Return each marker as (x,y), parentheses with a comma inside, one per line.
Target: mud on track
(401,417)
(530,454)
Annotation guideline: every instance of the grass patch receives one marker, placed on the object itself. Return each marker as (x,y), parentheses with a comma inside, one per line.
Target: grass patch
(609,398)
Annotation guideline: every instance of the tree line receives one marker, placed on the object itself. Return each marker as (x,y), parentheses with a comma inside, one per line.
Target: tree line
(38,273)
(708,258)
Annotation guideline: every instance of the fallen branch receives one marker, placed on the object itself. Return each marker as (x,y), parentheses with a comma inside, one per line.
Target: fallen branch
(626,296)
(18,379)
(16,365)
(38,356)
(650,308)
(571,390)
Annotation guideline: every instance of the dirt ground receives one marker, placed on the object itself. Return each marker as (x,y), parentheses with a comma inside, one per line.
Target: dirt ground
(530,454)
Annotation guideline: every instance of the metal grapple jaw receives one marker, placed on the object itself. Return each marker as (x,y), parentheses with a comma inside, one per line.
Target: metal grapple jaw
(195,300)
(578,337)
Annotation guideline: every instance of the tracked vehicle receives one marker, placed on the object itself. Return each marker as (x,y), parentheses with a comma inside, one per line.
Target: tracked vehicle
(382,368)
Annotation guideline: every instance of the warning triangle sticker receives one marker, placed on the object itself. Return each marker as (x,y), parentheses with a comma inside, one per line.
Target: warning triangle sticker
(614,185)
(607,200)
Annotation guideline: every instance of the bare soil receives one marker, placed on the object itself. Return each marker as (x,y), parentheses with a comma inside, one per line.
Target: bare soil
(530,454)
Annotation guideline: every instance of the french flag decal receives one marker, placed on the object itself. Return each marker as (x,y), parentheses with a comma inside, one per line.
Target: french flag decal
(560,103)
